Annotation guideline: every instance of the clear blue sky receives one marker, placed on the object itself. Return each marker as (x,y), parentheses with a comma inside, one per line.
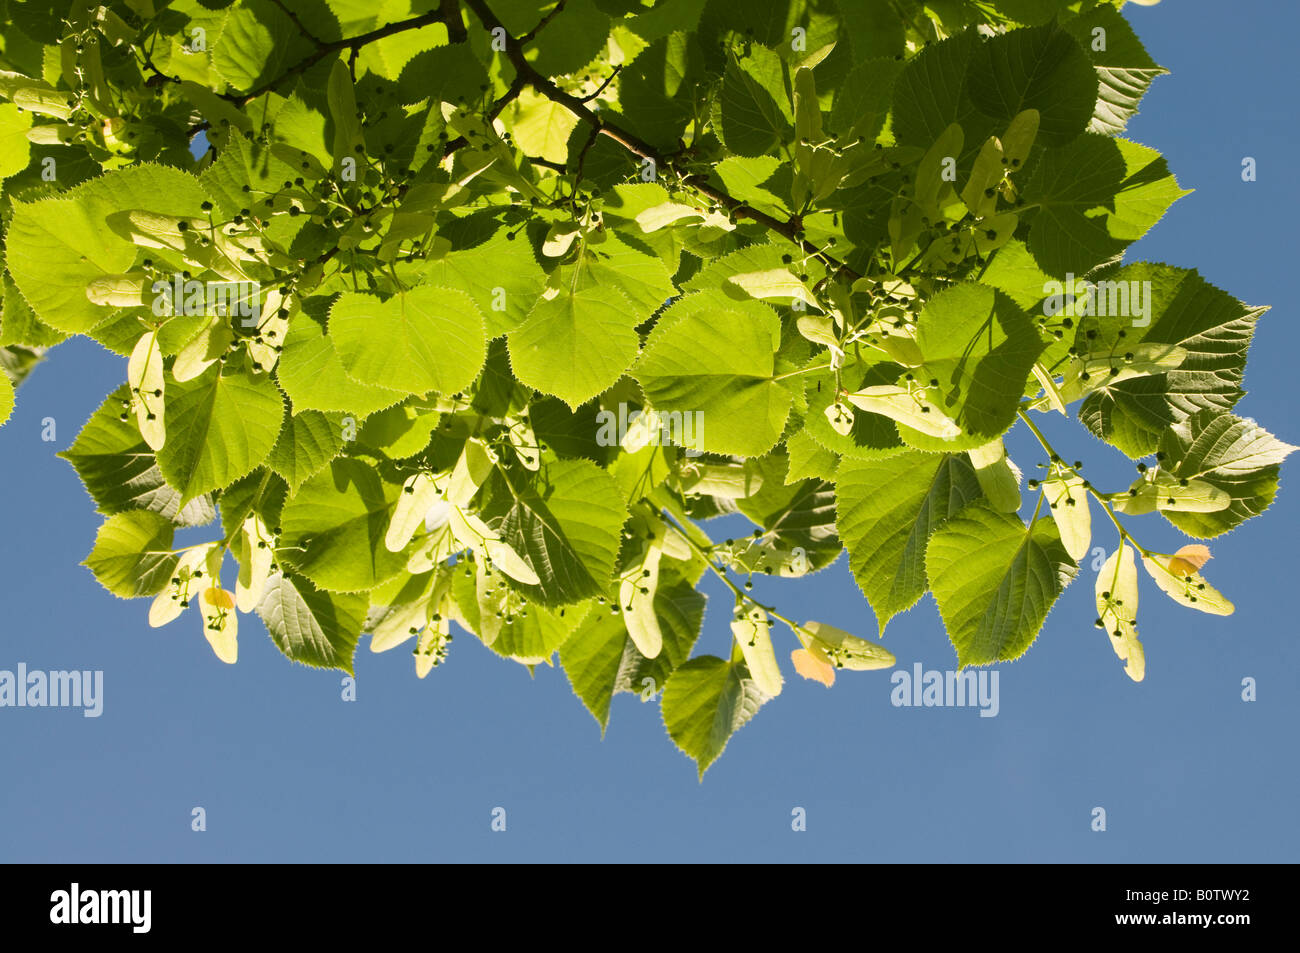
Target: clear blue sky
(411,771)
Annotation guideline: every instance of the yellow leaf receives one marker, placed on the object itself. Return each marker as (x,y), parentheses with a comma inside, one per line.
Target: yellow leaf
(995,475)
(220,623)
(1189,559)
(1068,498)
(753,633)
(810,666)
(1117,602)
(219,598)
(144,374)
(906,407)
(636,596)
(843,649)
(1188,589)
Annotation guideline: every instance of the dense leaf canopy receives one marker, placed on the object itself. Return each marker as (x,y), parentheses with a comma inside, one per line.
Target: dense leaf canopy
(478,312)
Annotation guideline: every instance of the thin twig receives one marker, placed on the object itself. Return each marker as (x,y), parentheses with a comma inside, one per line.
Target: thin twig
(541,24)
(790,228)
(601,88)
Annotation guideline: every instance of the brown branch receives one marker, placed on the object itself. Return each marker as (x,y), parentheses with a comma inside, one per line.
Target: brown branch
(791,228)
(601,88)
(298,23)
(516,87)
(547,163)
(442,15)
(541,24)
(592,136)
(450,11)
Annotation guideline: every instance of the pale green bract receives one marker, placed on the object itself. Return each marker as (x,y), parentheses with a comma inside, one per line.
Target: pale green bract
(451,337)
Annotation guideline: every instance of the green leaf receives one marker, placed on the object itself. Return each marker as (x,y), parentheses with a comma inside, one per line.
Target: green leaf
(1013,271)
(541,126)
(56,247)
(995,580)
(243,162)
(980,347)
(534,638)
(529,634)
(570,40)
(343,111)
(862,101)
(797,519)
(312,374)
(400,432)
(575,345)
(871,30)
(808,458)
(624,206)
(886,513)
(258,42)
(6,397)
(19,324)
(754,180)
(132,554)
(307,442)
(1096,195)
(334,528)
(870,436)
(1039,68)
(15,148)
(1233,455)
(428,339)
(308,625)
(221,427)
(753,104)
(718,359)
(641,277)
(932,92)
(1179,308)
(706,701)
(121,473)
(1124,69)
(500,274)
(656,88)
(567,526)
(601,660)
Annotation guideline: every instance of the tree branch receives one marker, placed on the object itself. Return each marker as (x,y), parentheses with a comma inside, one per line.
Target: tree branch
(790,229)
(447,13)
(298,23)
(541,24)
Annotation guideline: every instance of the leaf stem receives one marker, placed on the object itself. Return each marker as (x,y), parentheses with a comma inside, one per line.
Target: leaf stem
(804,370)
(740,594)
(1125,535)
